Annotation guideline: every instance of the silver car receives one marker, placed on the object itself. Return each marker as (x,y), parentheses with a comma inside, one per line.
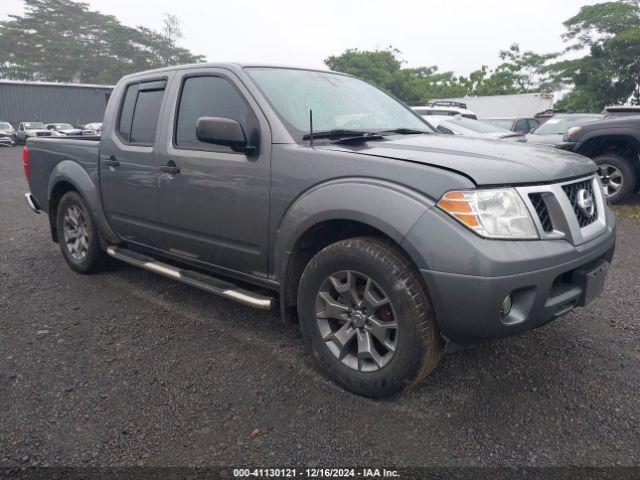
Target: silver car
(7,134)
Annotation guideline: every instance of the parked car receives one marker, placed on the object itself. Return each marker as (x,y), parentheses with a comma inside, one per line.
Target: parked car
(381,239)
(459,125)
(519,124)
(7,134)
(552,131)
(617,111)
(94,128)
(614,145)
(63,129)
(545,115)
(31,129)
(442,107)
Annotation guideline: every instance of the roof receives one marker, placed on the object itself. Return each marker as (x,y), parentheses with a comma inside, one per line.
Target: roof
(55,84)
(227,65)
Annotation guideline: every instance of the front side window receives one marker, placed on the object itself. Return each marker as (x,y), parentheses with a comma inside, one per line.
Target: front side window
(209,96)
(337,101)
(522,126)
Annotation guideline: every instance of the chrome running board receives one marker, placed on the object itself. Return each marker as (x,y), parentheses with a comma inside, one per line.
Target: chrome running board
(192,278)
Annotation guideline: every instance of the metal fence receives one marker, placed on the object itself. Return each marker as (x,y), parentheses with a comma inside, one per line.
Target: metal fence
(77,104)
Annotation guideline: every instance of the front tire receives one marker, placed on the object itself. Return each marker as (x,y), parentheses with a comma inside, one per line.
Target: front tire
(78,236)
(366,316)
(618,177)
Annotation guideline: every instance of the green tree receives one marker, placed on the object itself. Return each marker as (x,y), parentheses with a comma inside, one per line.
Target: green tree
(380,67)
(609,72)
(62,40)
(385,69)
(519,72)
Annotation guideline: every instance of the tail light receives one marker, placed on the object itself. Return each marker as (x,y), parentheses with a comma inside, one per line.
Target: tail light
(25,162)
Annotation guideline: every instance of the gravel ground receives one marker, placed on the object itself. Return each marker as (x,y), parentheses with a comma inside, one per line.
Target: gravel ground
(128,368)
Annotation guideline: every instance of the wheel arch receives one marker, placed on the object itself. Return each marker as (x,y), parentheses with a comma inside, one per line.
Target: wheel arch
(336,211)
(67,176)
(624,144)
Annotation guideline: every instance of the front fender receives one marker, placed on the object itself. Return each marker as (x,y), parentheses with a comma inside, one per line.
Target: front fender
(388,207)
(625,132)
(73,173)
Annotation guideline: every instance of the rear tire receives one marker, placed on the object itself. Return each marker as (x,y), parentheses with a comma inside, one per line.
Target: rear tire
(403,357)
(78,236)
(618,177)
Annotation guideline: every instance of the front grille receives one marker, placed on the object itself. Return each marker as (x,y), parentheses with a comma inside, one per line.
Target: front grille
(542,211)
(43,134)
(572,193)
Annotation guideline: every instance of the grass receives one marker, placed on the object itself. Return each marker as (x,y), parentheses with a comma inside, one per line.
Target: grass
(630,210)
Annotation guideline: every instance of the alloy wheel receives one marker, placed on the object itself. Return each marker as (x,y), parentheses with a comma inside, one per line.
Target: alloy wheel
(76,233)
(612,179)
(357,321)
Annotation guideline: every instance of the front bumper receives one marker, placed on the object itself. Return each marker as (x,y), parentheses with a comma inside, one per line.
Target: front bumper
(7,141)
(468,307)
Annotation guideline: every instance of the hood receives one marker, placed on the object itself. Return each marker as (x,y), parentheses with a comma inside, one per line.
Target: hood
(486,162)
(71,131)
(551,139)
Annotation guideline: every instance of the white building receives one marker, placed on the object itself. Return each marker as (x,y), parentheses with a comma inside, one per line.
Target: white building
(517,105)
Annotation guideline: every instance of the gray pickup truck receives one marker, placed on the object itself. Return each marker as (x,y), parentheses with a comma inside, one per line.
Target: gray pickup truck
(322,194)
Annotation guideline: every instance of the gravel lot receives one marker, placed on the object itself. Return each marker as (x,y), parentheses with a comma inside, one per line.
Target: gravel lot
(128,368)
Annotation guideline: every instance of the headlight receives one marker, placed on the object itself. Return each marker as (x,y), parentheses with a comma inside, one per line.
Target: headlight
(494,213)
(571,134)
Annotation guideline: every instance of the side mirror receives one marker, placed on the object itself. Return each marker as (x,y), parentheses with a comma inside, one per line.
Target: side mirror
(223,131)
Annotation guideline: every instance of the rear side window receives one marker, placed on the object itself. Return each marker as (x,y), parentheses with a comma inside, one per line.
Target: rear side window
(145,116)
(138,121)
(209,97)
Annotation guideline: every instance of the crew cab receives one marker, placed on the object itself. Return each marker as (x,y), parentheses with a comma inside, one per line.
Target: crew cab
(318,192)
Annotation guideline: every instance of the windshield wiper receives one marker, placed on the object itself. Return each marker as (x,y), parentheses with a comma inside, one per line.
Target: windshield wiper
(405,131)
(341,133)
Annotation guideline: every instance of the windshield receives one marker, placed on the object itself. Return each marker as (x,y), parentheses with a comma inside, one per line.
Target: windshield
(504,123)
(62,126)
(559,125)
(5,126)
(33,125)
(337,102)
(476,125)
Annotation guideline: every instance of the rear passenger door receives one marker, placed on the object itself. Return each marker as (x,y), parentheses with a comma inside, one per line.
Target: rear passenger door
(216,208)
(129,164)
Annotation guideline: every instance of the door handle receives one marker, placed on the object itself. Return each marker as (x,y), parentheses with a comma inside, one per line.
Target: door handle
(111,162)
(171,168)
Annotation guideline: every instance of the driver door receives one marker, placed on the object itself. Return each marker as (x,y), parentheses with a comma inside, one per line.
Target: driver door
(214,207)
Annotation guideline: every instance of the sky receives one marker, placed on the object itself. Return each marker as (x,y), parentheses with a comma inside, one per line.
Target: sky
(456,35)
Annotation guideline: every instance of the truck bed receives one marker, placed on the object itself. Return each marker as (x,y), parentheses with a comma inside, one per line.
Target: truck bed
(47,154)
